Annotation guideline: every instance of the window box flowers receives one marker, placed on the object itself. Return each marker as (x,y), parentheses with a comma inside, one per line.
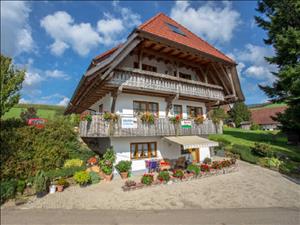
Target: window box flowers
(107,116)
(199,119)
(86,116)
(176,119)
(148,118)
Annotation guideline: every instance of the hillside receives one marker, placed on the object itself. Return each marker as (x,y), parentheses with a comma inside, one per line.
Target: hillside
(266,105)
(43,111)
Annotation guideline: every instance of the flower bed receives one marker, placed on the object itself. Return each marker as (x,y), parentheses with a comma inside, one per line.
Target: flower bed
(215,168)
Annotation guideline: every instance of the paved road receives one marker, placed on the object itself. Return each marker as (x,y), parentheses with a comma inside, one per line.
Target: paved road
(272,216)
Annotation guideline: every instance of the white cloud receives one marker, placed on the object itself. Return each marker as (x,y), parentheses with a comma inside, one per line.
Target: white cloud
(66,33)
(64,101)
(32,78)
(56,74)
(15,30)
(23,101)
(210,21)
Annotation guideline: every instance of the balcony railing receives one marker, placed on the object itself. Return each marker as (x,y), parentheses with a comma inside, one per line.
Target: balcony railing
(145,80)
(98,127)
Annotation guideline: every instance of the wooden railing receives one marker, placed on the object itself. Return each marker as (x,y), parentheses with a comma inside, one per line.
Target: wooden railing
(145,80)
(98,127)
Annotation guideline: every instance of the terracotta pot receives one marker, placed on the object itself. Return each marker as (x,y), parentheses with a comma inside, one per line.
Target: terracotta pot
(60,188)
(108,177)
(101,175)
(95,169)
(124,175)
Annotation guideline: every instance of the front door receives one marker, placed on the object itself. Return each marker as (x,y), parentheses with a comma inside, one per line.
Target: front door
(195,155)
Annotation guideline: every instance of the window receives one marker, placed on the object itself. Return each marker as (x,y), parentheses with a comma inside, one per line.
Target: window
(145,67)
(143,150)
(193,111)
(140,107)
(185,76)
(101,108)
(176,29)
(177,109)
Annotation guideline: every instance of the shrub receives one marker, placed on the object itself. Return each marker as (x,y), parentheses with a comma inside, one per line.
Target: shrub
(95,178)
(163,176)
(147,179)
(245,153)
(73,163)
(261,149)
(21,185)
(193,168)
(255,126)
(7,190)
(204,168)
(63,172)
(207,160)
(82,177)
(41,182)
(178,174)
(123,166)
(270,162)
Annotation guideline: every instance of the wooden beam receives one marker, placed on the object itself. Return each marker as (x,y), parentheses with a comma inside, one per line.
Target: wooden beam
(220,78)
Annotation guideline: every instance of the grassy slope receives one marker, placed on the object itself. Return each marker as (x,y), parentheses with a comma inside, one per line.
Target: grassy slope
(260,106)
(248,138)
(43,111)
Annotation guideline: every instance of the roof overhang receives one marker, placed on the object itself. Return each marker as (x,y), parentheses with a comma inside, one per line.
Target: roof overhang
(191,141)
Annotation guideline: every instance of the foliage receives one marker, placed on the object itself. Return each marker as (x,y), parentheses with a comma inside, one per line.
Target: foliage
(244,153)
(63,172)
(62,182)
(199,119)
(7,190)
(261,149)
(163,176)
(130,183)
(41,182)
(147,179)
(107,116)
(204,168)
(281,21)
(176,119)
(10,85)
(28,114)
(194,169)
(217,115)
(178,173)
(86,116)
(148,117)
(270,162)
(207,160)
(21,185)
(123,166)
(73,163)
(82,177)
(255,126)
(106,163)
(216,165)
(95,178)
(239,113)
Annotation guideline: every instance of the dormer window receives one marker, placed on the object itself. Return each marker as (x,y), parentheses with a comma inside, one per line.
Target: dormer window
(176,29)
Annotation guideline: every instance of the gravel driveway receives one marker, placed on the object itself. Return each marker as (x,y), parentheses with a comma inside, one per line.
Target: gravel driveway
(250,187)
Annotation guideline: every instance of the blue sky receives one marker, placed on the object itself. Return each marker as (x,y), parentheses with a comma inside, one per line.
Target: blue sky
(55,41)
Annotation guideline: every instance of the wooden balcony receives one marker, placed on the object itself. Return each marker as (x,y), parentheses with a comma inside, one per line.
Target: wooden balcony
(98,127)
(149,81)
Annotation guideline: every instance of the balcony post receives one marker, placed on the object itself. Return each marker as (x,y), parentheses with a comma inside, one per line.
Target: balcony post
(114,95)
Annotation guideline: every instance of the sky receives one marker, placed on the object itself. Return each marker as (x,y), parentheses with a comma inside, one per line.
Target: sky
(55,41)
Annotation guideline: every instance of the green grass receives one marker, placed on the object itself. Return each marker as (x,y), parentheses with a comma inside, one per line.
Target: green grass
(272,105)
(277,141)
(43,111)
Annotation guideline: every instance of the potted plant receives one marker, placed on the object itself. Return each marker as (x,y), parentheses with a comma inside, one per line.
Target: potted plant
(199,119)
(192,168)
(148,117)
(82,178)
(61,184)
(176,119)
(179,174)
(86,116)
(204,168)
(147,179)
(106,164)
(41,184)
(123,167)
(163,176)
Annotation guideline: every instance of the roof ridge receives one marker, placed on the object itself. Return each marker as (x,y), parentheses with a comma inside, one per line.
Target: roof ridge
(150,20)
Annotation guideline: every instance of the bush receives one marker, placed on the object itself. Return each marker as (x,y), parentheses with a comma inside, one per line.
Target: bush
(163,176)
(178,174)
(41,182)
(63,182)
(255,127)
(207,160)
(147,179)
(193,168)
(270,162)
(21,185)
(245,153)
(73,163)
(95,178)
(82,177)
(7,190)
(261,149)
(123,166)
(64,172)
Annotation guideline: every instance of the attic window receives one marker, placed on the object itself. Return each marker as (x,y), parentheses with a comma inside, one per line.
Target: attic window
(175,29)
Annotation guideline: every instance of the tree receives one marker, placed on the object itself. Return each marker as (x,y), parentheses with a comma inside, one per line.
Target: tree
(217,115)
(281,20)
(11,83)
(239,113)
(28,114)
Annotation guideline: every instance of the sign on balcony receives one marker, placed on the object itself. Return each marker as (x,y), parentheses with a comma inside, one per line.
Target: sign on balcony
(129,122)
(186,123)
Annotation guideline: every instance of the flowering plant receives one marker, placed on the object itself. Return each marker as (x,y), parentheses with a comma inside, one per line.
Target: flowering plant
(163,176)
(92,161)
(148,117)
(107,116)
(204,168)
(178,174)
(216,165)
(86,116)
(147,179)
(176,119)
(199,119)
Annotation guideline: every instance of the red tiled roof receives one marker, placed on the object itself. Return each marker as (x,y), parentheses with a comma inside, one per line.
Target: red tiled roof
(264,115)
(157,25)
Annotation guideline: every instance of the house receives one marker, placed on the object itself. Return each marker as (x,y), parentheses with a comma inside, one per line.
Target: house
(263,116)
(163,69)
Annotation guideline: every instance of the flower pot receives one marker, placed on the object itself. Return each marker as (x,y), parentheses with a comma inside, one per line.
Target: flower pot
(60,188)
(101,175)
(52,189)
(124,175)
(108,177)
